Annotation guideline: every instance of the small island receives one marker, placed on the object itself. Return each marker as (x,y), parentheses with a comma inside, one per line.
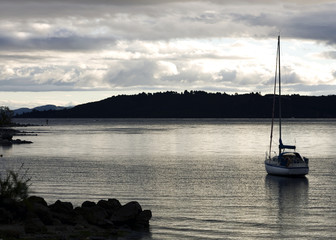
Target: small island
(6,137)
(6,129)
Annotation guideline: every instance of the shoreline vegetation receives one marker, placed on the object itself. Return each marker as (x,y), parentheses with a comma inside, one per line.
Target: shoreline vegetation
(195,104)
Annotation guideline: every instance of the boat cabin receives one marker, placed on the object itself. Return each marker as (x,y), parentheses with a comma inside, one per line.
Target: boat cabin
(287,158)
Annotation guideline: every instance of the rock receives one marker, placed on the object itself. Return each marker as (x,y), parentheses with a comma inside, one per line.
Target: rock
(6,217)
(38,207)
(65,218)
(17,209)
(110,206)
(142,220)
(64,212)
(43,213)
(88,204)
(93,215)
(61,207)
(104,204)
(34,219)
(126,214)
(114,203)
(107,224)
(34,225)
(19,141)
(10,231)
(35,199)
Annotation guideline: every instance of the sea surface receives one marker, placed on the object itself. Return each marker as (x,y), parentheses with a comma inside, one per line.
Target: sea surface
(201,178)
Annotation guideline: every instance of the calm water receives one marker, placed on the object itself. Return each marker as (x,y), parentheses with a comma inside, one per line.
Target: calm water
(202,179)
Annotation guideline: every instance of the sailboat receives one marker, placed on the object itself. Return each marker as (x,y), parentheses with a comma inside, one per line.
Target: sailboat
(286,163)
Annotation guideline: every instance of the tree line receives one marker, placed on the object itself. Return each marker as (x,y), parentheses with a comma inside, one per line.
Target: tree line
(197,104)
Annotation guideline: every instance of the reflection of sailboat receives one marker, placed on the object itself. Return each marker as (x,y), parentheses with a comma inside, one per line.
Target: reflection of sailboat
(290,197)
(286,163)
(287,187)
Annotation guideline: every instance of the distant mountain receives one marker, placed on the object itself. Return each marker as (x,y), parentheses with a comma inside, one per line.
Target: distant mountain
(40,108)
(196,104)
(21,110)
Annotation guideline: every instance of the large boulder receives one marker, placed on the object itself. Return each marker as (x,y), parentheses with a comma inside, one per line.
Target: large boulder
(95,215)
(17,209)
(126,214)
(114,203)
(142,220)
(36,200)
(43,213)
(34,225)
(6,217)
(61,207)
(37,207)
(64,212)
(110,205)
(88,204)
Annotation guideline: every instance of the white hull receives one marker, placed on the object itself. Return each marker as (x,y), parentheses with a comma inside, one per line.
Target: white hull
(286,171)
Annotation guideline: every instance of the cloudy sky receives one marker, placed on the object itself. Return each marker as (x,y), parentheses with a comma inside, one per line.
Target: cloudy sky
(67,52)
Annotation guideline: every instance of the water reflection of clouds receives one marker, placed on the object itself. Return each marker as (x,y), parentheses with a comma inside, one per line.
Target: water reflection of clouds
(136,130)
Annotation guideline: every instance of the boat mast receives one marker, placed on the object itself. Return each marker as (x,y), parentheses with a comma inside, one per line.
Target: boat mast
(274,96)
(280,141)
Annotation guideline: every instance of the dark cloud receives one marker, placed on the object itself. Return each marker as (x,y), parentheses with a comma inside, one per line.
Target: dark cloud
(227,76)
(21,57)
(26,84)
(153,19)
(329,55)
(132,73)
(71,43)
(311,23)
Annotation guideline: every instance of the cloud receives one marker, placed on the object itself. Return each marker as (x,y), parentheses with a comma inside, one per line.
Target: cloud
(334,74)
(70,45)
(131,73)
(329,55)
(73,43)
(313,22)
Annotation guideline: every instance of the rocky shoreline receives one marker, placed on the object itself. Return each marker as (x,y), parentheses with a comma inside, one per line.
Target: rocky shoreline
(7,134)
(33,218)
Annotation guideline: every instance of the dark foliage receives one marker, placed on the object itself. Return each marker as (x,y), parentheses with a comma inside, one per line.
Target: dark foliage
(14,185)
(196,104)
(5,116)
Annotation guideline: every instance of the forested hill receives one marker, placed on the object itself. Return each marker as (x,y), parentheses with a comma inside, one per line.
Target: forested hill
(196,104)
